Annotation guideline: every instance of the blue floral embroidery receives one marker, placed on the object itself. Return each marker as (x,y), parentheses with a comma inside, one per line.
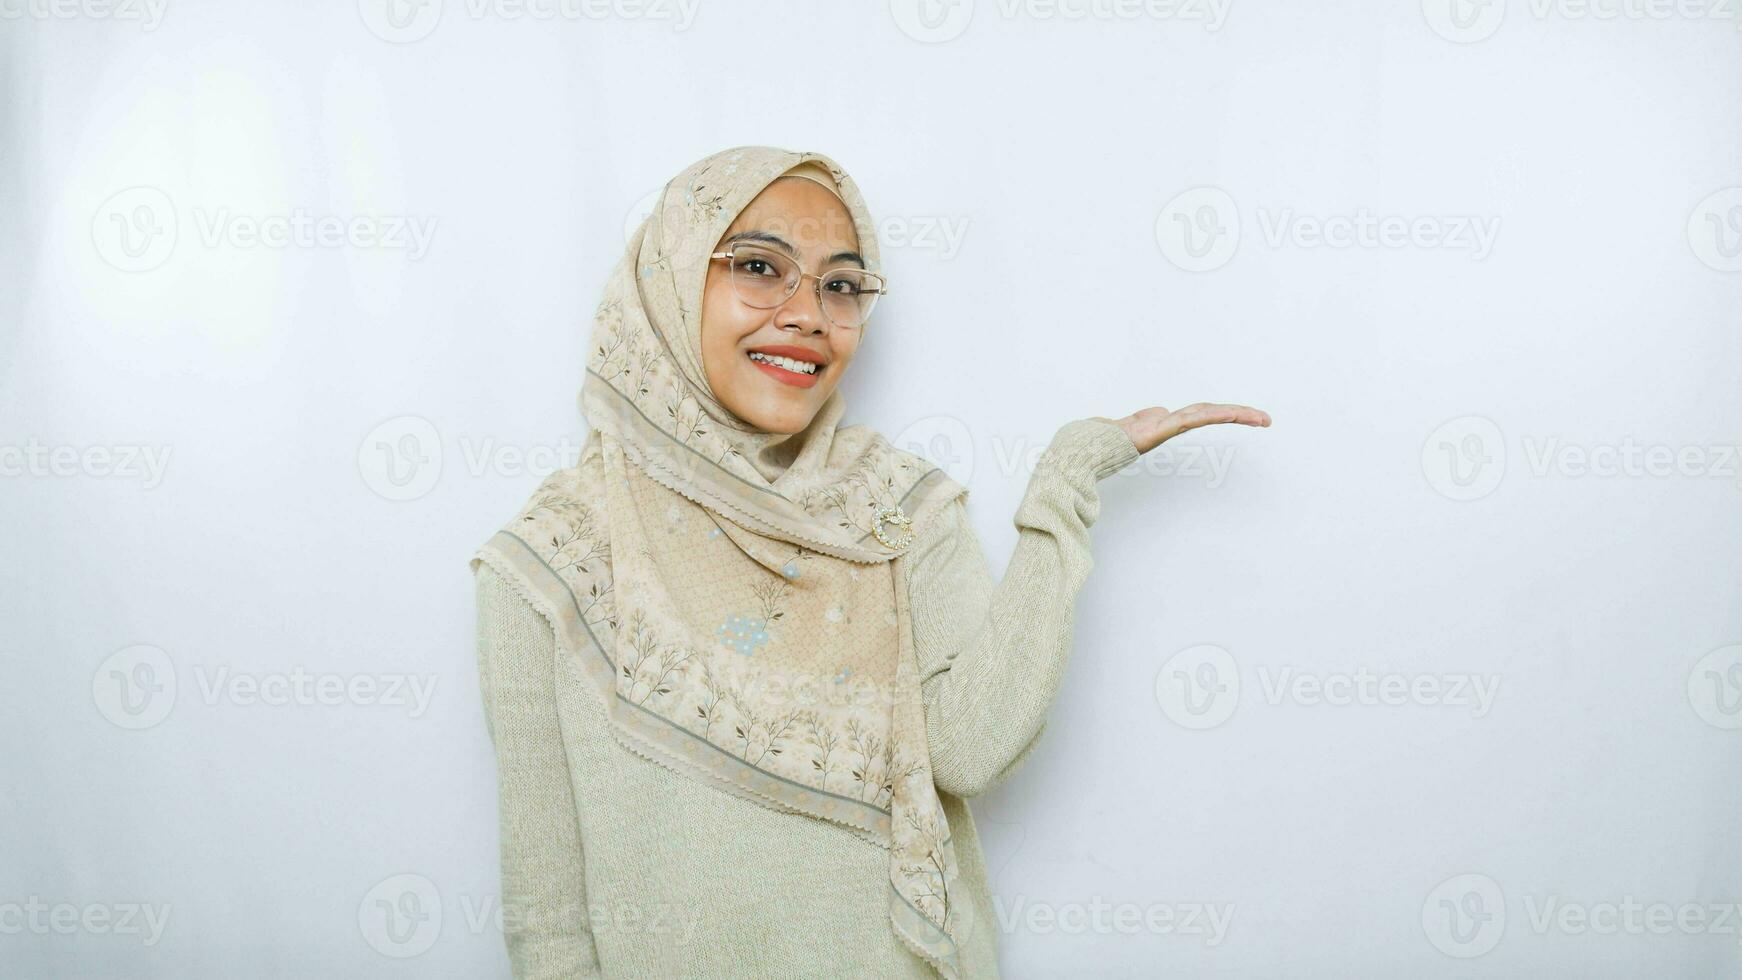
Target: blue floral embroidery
(743,633)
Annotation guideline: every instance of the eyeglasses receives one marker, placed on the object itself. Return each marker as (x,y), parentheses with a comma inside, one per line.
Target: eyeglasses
(764,278)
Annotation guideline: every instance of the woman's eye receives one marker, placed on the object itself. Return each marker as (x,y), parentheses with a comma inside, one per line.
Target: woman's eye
(846,287)
(759,267)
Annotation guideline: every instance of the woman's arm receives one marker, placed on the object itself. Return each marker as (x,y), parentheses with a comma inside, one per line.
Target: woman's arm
(544,899)
(991,655)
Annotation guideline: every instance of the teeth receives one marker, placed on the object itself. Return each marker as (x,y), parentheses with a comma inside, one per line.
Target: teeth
(799,367)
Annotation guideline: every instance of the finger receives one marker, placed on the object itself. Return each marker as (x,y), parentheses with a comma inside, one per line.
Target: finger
(1231,413)
(1201,414)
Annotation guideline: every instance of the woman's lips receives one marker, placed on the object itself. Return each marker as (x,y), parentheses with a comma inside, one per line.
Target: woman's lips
(784,376)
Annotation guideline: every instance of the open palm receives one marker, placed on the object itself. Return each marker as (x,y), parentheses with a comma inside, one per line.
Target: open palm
(1150,427)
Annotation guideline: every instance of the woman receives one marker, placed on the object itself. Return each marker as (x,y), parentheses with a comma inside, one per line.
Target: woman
(742,666)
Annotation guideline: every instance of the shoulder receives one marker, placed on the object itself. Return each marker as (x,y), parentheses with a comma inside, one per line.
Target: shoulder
(561,518)
(947,532)
(564,503)
(893,474)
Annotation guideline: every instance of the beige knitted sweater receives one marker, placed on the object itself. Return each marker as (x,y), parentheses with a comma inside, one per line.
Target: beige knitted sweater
(615,867)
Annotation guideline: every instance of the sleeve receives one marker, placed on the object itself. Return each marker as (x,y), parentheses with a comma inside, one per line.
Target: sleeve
(544,903)
(991,655)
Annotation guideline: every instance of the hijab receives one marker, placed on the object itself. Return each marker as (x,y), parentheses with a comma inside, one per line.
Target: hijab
(732,597)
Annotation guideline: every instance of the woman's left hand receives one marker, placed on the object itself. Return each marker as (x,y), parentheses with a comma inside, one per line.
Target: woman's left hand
(1150,427)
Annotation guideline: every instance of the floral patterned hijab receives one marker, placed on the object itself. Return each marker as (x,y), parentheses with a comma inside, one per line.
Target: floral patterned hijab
(731,596)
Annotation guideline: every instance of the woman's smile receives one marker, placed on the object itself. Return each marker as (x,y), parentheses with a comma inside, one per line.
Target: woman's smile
(788,364)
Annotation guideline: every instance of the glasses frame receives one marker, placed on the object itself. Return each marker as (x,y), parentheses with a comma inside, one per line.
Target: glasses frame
(881,290)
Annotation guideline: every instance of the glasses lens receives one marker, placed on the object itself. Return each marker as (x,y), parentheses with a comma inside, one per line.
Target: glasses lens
(849,294)
(763,278)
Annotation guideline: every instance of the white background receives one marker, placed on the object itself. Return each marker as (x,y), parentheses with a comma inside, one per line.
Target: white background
(1418,510)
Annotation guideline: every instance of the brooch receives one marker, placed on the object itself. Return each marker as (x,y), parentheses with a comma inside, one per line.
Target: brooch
(895,516)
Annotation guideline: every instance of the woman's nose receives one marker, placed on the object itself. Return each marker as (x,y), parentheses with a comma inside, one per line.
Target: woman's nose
(802,310)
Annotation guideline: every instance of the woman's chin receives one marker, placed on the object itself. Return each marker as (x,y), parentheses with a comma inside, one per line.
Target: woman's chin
(783,415)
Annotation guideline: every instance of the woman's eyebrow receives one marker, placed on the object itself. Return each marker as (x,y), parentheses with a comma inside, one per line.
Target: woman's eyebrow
(769,238)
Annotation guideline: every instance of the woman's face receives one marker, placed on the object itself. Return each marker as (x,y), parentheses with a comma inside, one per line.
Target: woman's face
(802,219)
